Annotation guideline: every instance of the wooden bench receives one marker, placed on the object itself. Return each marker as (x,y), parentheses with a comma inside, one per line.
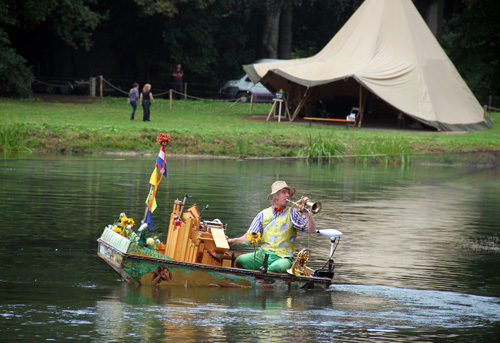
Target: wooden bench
(347,122)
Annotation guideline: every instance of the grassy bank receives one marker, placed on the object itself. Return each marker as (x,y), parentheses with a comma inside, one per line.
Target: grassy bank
(83,125)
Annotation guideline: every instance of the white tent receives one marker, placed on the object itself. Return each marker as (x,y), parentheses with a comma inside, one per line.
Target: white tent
(386,49)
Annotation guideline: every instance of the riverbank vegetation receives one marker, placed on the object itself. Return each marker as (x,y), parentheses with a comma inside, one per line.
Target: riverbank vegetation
(85,125)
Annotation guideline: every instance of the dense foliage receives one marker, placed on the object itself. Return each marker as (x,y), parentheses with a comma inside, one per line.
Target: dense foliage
(15,76)
(472,38)
(139,40)
(71,20)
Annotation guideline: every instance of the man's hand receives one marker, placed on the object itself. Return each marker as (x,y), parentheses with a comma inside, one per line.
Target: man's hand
(239,240)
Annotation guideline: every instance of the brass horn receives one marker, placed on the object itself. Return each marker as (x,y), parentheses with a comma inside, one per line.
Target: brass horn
(299,265)
(313,207)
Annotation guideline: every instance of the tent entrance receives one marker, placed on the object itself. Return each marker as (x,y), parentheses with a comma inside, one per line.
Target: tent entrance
(337,99)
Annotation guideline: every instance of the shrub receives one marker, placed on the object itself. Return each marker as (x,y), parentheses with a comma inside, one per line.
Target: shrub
(15,76)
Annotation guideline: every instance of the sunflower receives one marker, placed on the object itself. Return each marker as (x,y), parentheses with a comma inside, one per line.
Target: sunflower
(254,237)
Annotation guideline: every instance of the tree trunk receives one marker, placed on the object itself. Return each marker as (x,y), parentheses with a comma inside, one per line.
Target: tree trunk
(285,41)
(434,18)
(270,34)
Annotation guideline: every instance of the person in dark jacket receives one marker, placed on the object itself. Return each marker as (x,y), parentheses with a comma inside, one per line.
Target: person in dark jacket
(146,99)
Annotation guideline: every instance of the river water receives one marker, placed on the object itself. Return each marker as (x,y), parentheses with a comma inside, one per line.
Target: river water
(415,262)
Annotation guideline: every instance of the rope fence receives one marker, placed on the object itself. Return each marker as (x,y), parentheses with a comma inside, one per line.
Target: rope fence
(490,108)
(91,88)
(114,87)
(65,86)
(53,84)
(171,92)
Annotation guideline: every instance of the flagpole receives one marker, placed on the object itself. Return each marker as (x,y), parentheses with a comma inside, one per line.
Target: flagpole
(163,140)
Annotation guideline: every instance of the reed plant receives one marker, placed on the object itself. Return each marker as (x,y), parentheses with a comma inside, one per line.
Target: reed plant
(242,147)
(13,137)
(319,146)
(371,149)
(390,145)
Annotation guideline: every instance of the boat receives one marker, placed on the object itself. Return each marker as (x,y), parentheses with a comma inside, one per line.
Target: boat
(196,252)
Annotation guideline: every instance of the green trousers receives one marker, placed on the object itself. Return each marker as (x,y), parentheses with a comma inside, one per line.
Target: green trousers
(275,264)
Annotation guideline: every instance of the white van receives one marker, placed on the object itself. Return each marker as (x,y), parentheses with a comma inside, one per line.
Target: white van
(245,88)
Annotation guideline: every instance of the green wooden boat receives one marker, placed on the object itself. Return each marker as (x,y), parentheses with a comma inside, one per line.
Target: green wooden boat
(194,257)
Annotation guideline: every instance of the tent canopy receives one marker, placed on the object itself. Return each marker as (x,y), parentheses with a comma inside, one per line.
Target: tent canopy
(388,49)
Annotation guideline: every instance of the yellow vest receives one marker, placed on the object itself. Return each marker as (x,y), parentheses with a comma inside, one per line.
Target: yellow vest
(278,234)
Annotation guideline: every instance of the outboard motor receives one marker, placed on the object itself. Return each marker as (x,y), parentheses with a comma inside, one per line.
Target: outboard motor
(333,234)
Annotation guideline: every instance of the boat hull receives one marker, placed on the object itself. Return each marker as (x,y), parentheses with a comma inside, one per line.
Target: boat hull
(147,267)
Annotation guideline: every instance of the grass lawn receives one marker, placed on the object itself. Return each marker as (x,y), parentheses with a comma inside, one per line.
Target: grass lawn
(84,125)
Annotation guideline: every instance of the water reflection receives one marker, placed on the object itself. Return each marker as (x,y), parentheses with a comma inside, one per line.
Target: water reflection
(208,315)
(214,315)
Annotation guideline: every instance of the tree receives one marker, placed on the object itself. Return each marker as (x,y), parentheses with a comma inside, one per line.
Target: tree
(315,23)
(72,20)
(278,20)
(270,33)
(276,39)
(210,38)
(472,39)
(15,76)
(433,13)
(286,27)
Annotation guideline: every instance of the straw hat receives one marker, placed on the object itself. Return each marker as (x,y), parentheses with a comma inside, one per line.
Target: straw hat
(279,185)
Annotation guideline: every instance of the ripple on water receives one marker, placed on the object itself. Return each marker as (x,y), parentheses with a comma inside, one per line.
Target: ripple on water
(427,308)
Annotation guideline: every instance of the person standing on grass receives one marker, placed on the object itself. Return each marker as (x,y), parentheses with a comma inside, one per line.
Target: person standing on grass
(178,75)
(146,99)
(133,96)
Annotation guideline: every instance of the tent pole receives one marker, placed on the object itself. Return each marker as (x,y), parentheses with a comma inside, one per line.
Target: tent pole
(307,94)
(361,105)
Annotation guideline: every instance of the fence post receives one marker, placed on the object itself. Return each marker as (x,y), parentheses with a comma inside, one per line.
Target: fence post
(92,87)
(185,90)
(251,104)
(170,97)
(100,85)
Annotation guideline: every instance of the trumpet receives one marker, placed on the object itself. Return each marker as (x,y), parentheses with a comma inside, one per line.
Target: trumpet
(309,206)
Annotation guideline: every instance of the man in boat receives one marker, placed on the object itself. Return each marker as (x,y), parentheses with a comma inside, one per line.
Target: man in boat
(277,226)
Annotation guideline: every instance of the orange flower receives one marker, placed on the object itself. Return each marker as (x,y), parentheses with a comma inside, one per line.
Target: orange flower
(163,139)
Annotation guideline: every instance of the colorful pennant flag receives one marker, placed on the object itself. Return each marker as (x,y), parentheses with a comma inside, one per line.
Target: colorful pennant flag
(149,219)
(154,178)
(161,161)
(151,200)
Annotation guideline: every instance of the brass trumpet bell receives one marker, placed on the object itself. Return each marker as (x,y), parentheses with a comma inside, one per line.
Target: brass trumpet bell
(313,207)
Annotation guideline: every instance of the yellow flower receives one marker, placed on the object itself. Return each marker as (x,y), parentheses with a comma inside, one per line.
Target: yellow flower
(117,229)
(254,237)
(125,220)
